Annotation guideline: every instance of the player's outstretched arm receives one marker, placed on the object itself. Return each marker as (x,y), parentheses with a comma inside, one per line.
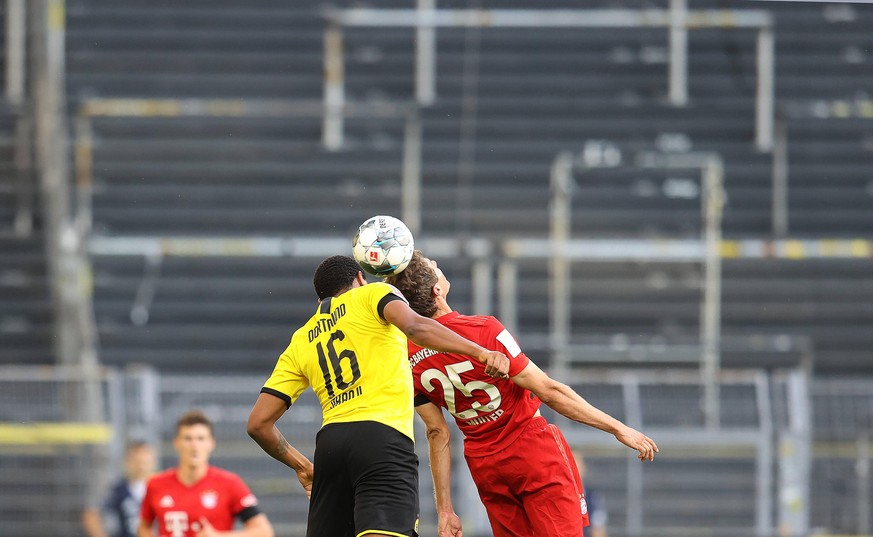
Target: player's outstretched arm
(431,334)
(438,436)
(262,428)
(564,400)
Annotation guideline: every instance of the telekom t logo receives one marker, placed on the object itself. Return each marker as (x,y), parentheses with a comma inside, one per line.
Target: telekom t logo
(176,523)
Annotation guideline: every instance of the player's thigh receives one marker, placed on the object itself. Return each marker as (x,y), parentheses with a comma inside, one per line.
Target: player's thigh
(552,493)
(506,512)
(385,476)
(507,516)
(554,512)
(332,502)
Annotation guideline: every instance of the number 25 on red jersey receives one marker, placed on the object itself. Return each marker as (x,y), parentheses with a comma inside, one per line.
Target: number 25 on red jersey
(451,381)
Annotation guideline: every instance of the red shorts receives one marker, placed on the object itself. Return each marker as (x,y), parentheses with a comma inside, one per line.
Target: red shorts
(532,488)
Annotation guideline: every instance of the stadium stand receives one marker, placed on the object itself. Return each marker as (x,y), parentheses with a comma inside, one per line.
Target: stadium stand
(537,92)
(230,176)
(25,311)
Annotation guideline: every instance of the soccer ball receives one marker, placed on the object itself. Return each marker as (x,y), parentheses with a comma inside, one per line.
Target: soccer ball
(383,246)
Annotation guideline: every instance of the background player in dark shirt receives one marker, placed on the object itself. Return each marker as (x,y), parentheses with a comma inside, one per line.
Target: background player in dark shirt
(118,516)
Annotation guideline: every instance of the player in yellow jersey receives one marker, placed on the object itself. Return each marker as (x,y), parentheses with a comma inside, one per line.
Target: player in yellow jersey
(353,353)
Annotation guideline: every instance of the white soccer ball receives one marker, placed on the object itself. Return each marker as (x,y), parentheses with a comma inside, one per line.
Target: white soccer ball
(383,246)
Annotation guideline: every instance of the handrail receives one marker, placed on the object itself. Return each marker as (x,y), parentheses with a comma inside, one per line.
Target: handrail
(678,20)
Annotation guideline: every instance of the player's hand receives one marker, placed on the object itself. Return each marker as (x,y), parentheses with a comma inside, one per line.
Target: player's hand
(449,525)
(304,475)
(206,529)
(638,441)
(496,364)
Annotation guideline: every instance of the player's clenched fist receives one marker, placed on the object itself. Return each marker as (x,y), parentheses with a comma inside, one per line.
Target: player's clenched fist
(304,475)
(449,525)
(496,364)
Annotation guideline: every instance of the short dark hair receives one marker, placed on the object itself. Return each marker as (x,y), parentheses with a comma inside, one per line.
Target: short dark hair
(136,445)
(416,283)
(334,274)
(194,417)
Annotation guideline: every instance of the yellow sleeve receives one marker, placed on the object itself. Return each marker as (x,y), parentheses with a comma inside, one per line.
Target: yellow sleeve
(379,294)
(286,382)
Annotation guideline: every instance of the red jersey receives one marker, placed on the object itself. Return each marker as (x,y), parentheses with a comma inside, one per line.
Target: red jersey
(218,497)
(491,412)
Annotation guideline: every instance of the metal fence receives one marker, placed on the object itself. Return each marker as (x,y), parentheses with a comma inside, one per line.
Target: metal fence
(56,446)
(841,451)
(788,453)
(58,450)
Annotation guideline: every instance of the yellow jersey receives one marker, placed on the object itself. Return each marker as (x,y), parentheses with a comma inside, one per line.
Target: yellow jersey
(355,361)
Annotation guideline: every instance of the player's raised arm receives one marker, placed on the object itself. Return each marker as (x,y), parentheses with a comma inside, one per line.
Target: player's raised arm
(431,334)
(262,428)
(564,400)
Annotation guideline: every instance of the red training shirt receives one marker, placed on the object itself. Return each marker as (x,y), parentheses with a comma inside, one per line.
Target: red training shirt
(219,497)
(491,412)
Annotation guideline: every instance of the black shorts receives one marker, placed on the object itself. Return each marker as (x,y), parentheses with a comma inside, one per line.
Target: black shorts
(365,481)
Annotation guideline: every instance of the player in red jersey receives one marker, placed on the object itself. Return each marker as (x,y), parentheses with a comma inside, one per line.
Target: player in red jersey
(522,466)
(196,499)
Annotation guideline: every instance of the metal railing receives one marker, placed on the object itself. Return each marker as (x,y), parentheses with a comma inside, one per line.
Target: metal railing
(68,268)
(561,248)
(426,19)
(142,404)
(15,93)
(56,450)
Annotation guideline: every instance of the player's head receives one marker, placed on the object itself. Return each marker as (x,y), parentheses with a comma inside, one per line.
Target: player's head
(140,460)
(194,441)
(422,283)
(336,274)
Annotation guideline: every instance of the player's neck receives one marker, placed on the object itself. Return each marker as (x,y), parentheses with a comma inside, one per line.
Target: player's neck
(188,475)
(346,290)
(443,308)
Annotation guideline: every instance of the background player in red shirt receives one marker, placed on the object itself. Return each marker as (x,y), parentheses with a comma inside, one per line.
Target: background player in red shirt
(196,499)
(522,466)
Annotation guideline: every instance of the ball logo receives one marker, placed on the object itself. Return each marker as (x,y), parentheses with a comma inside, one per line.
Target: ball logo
(374,257)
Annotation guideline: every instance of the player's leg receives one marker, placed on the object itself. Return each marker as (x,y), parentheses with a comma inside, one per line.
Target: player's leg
(552,493)
(384,470)
(505,510)
(331,505)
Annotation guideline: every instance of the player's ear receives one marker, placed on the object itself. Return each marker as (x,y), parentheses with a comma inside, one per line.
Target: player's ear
(361,279)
